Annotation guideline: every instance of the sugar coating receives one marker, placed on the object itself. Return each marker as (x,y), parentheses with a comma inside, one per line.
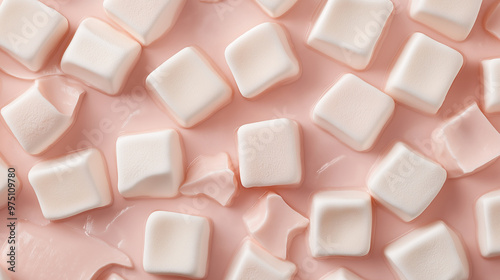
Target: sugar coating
(423,73)
(488,225)
(269,153)
(189,87)
(176,244)
(341,223)
(491,85)
(276,8)
(146,21)
(273,223)
(4,184)
(213,176)
(253,262)
(341,274)
(43,113)
(430,252)
(354,111)
(30,31)
(465,143)
(349,31)
(150,164)
(406,182)
(71,184)
(100,55)
(446,17)
(261,58)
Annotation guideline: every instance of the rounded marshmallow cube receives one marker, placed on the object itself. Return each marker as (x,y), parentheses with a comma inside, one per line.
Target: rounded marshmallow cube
(189,87)
(276,8)
(100,55)
(341,274)
(488,224)
(491,85)
(150,164)
(114,276)
(492,23)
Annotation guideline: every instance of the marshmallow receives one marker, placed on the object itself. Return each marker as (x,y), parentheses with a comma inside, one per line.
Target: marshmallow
(488,225)
(146,21)
(446,17)
(466,142)
(341,274)
(491,85)
(100,56)
(492,23)
(212,176)
(276,8)
(341,224)
(41,115)
(253,262)
(431,252)
(349,31)
(114,276)
(405,182)
(71,184)
(270,153)
(4,183)
(176,244)
(150,164)
(30,31)
(261,58)
(273,223)
(423,73)
(354,111)
(189,87)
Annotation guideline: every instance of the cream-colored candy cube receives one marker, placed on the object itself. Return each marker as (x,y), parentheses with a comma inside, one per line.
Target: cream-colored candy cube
(276,8)
(341,274)
(491,85)
(488,225)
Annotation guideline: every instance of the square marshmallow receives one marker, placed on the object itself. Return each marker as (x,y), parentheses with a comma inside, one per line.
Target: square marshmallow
(431,252)
(41,115)
(150,164)
(273,223)
(349,31)
(341,274)
(406,182)
(189,87)
(146,21)
(467,142)
(488,224)
(114,276)
(270,153)
(446,16)
(253,262)
(176,244)
(276,8)
(71,184)
(423,73)
(341,224)
(261,58)
(100,55)
(491,85)
(354,111)
(30,31)
(492,23)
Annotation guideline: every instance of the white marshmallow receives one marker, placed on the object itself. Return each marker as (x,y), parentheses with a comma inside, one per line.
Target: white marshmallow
(341,224)
(354,111)
(466,143)
(100,56)
(269,153)
(349,31)
(261,58)
(189,87)
(273,223)
(253,262)
(176,244)
(341,274)
(30,31)
(42,114)
(405,182)
(491,85)
(423,73)
(492,23)
(4,184)
(71,184)
(431,252)
(146,21)
(150,164)
(276,8)
(446,16)
(488,225)
(114,276)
